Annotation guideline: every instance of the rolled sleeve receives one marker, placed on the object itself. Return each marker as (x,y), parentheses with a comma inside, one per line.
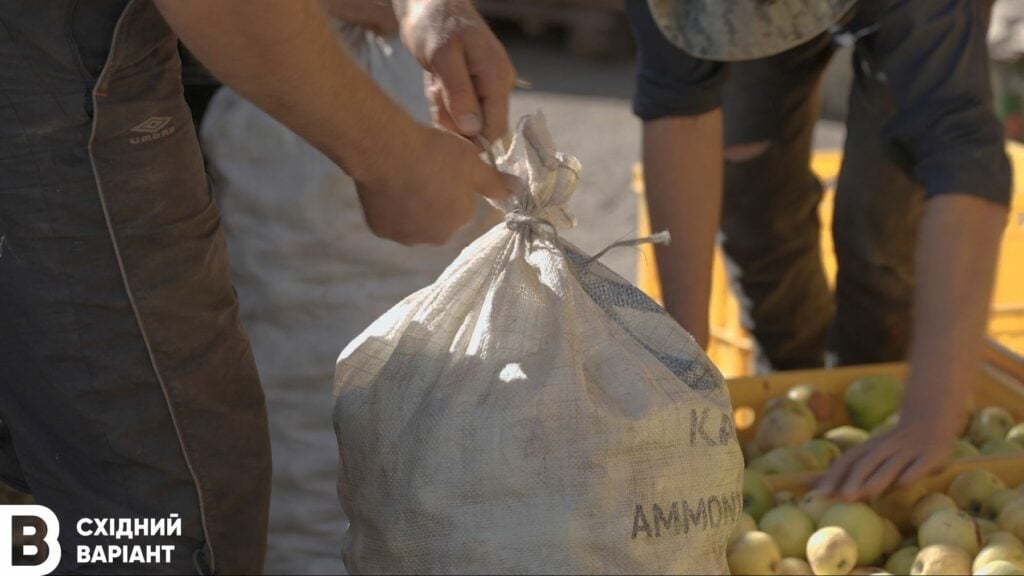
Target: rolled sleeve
(933,56)
(670,82)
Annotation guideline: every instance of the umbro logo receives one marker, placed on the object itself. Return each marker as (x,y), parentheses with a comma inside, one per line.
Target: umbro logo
(153,128)
(153,124)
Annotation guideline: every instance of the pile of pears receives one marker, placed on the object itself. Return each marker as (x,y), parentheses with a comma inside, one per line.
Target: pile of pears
(976,527)
(801,431)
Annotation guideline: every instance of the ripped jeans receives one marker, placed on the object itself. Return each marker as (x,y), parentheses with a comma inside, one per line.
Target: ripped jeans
(770,230)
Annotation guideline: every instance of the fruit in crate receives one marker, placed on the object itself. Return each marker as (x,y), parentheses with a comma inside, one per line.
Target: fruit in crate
(863,524)
(872,399)
(754,553)
(1000,568)
(847,437)
(785,460)
(971,489)
(1011,519)
(1000,446)
(824,451)
(929,505)
(832,550)
(989,423)
(941,559)
(794,567)
(790,527)
(757,495)
(1005,552)
(902,560)
(1016,435)
(788,423)
(997,501)
(964,449)
(952,527)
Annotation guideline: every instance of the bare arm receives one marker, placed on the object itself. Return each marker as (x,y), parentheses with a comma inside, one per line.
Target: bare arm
(416,183)
(683,181)
(957,253)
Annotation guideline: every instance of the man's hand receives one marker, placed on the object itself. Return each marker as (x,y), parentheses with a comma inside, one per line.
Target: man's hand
(469,74)
(921,443)
(427,189)
(376,15)
(957,251)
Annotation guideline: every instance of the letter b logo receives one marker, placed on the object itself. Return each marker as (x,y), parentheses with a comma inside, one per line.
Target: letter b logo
(28,540)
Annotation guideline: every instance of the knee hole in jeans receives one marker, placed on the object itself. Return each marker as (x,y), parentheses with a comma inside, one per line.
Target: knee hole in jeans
(746,152)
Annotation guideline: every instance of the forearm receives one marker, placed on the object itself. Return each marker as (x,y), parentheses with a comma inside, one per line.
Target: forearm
(958,248)
(285,57)
(683,181)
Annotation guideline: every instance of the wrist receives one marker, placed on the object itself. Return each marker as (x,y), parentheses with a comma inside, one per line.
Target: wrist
(382,147)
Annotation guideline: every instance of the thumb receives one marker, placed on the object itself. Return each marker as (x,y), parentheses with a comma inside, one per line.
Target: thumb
(460,96)
(497,185)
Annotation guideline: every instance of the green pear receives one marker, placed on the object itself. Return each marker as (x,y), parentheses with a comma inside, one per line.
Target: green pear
(847,437)
(901,560)
(993,552)
(941,559)
(898,504)
(995,503)
(886,425)
(870,400)
(953,527)
(825,452)
(788,425)
(891,537)
(795,567)
(1000,568)
(831,550)
(964,449)
(863,524)
(745,523)
(1004,538)
(989,423)
(1016,434)
(790,527)
(754,553)
(1011,518)
(784,460)
(1000,446)
(986,527)
(929,505)
(814,505)
(757,494)
(825,406)
(971,489)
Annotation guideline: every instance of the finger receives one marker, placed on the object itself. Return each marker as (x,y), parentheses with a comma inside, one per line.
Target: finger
(461,100)
(438,109)
(494,77)
(866,466)
(924,465)
(497,185)
(833,478)
(886,474)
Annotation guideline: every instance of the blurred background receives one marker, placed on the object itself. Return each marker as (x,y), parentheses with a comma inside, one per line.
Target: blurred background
(578,58)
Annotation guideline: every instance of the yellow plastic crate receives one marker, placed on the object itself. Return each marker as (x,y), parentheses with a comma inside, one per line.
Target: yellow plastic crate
(993,386)
(731,347)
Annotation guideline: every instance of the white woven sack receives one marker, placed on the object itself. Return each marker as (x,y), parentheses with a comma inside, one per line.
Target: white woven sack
(532,412)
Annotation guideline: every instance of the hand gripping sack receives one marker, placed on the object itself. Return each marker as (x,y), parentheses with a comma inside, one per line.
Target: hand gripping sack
(532,412)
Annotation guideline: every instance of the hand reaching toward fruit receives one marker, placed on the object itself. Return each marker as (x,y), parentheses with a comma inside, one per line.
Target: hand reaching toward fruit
(921,442)
(899,456)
